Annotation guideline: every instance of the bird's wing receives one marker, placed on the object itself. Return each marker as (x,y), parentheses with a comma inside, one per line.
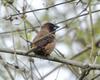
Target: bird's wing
(41,40)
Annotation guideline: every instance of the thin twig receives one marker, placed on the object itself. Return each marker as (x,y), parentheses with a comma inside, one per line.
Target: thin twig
(43,8)
(81,52)
(9,72)
(51,71)
(85,73)
(55,23)
(95,77)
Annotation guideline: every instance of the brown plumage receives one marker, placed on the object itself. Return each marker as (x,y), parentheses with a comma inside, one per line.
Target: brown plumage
(44,42)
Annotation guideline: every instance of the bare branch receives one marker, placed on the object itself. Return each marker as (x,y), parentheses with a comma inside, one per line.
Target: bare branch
(65,61)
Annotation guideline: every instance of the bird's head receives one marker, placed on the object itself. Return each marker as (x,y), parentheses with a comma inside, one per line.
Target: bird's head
(51,27)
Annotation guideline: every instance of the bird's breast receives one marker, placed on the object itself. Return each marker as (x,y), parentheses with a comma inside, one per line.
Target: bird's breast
(45,45)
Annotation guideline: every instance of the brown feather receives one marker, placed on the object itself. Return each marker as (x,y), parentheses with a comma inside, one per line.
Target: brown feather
(43,44)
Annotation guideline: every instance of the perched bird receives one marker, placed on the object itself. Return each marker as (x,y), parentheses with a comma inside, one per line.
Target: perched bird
(44,42)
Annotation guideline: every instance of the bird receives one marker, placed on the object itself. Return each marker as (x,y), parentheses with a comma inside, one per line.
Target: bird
(44,42)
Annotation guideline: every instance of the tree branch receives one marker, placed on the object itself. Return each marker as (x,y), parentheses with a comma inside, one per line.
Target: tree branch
(65,61)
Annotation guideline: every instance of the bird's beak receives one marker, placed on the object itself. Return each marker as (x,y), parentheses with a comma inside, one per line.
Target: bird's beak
(56,27)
